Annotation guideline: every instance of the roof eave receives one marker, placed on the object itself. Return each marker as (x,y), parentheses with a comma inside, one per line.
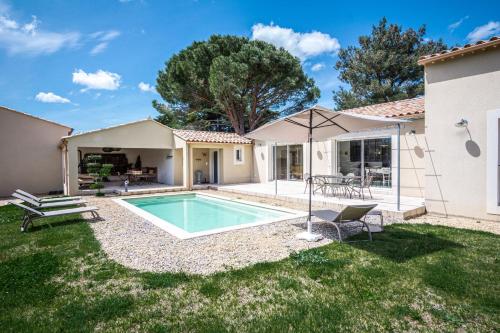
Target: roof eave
(429,60)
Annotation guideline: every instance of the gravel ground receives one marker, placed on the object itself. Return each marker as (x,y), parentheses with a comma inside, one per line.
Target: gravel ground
(135,242)
(458,222)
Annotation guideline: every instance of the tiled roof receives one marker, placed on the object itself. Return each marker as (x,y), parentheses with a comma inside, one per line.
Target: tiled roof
(211,137)
(480,45)
(406,108)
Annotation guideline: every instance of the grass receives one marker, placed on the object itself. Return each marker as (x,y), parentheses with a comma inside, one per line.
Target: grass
(411,278)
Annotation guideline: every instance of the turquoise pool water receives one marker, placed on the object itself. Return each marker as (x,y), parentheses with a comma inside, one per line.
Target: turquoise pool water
(195,213)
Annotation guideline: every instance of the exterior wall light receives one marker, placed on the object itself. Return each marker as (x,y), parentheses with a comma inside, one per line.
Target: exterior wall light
(412,132)
(462,123)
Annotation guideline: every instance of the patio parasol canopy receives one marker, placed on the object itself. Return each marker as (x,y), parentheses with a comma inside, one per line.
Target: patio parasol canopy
(325,123)
(319,123)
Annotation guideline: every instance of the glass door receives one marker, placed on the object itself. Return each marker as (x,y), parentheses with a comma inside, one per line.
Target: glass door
(295,161)
(349,157)
(377,161)
(289,162)
(281,162)
(367,156)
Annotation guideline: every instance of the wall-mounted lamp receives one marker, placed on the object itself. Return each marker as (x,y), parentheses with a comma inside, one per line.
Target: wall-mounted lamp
(462,123)
(412,132)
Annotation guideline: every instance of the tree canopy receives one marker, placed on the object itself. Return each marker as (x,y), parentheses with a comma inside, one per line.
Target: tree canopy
(232,81)
(383,67)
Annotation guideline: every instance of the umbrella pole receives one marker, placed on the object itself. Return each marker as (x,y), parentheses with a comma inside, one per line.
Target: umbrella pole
(399,167)
(275,168)
(308,235)
(309,222)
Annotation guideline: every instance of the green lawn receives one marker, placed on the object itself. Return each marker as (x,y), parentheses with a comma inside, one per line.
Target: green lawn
(412,277)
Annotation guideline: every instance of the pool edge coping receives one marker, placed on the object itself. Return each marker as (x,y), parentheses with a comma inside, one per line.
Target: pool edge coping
(183,234)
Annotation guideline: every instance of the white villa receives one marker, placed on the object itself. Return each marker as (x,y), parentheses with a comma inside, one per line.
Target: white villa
(449,150)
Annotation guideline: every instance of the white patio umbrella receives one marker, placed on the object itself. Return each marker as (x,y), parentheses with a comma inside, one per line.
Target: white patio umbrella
(319,123)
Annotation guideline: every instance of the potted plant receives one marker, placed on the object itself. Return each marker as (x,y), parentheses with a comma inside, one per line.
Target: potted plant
(138,163)
(98,172)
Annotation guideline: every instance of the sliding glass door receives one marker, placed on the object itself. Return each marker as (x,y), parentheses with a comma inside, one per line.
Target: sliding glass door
(281,162)
(296,161)
(349,157)
(366,156)
(289,162)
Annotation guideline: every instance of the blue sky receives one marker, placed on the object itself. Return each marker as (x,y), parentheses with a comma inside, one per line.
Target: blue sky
(93,64)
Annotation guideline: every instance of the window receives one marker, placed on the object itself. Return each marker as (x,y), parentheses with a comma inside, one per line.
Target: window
(238,155)
(366,156)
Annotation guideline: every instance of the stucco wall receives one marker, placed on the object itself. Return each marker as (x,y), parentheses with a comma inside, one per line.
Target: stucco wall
(230,173)
(321,158)
(412,159)
(30,157)
(262,165)
(178,166)
(465,87)
(201,163)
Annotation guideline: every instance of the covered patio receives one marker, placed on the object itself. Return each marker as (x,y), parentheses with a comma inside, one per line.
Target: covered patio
(317,124)
(143,155)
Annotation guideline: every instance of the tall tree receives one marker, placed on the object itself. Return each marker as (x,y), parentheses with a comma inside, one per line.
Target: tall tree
(233,81)
(383,67)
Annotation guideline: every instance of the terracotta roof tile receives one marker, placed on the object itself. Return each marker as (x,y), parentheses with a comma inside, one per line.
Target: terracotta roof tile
(460,50)
(406,108)
(211,137)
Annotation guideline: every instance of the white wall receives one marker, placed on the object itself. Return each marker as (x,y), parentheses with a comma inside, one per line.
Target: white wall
(465,87)
(262,164)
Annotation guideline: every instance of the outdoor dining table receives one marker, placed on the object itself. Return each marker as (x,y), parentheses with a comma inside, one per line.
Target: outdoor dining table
(332,181)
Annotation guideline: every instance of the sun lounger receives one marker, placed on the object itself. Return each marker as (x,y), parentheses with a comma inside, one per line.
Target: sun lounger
(31,213)
(55,204)
(34,197)
(350,214)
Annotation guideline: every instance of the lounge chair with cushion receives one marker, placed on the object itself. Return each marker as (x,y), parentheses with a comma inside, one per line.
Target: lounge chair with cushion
(55,204)
(31,213)
(350,214)
(54,199)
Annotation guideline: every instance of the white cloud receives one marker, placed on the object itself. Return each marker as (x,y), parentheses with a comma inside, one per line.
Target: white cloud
(458,23)
(302,45)
(98,80)
(98,48)
(26,39)
(103,37)
(484,31)
(50,97)
(30,28)
(146,87)
(317,67)
(6,23)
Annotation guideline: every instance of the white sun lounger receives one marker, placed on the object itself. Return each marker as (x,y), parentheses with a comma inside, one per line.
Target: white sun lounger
(55,199)
(352,213)
(31,213)
(48,204)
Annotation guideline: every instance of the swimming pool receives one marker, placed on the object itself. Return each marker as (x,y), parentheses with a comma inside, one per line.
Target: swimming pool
(192,214)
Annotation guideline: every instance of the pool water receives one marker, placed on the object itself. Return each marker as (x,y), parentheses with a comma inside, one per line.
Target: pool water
(197,213)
